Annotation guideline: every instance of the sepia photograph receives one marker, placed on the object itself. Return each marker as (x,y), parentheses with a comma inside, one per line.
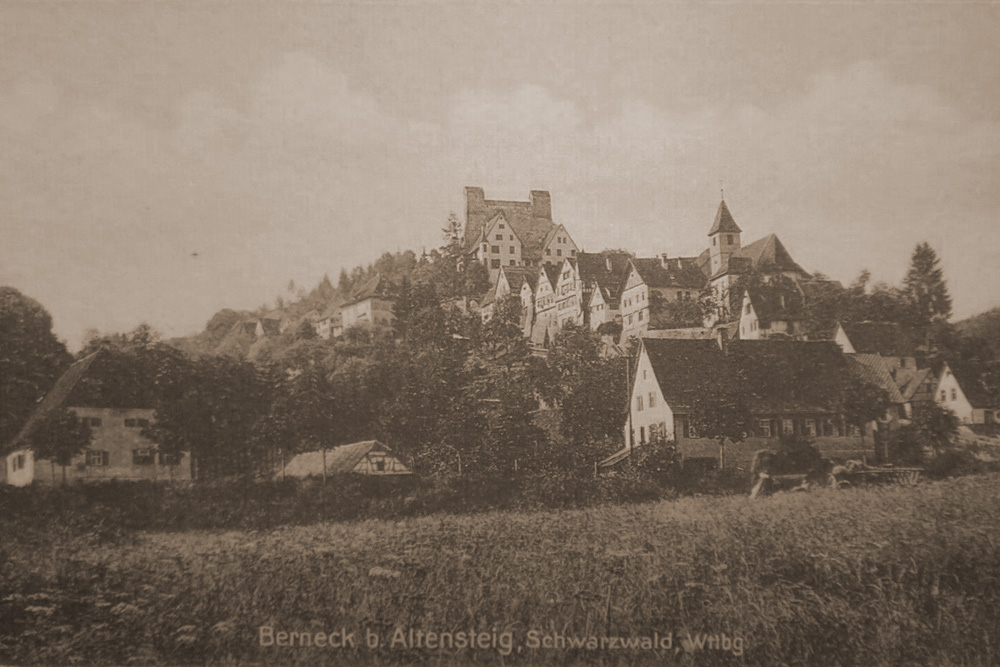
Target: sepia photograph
(450,333)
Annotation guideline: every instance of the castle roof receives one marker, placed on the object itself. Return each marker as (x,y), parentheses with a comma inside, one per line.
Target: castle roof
(724,221)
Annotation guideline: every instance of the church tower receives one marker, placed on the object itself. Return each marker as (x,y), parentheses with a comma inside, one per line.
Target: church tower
(724,238)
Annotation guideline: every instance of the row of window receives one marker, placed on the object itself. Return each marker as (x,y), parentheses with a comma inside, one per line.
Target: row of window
(954,394)
(140,457)
(500,237)
(131,423)
(548,251)
(808,427)
(639,401)
(640,316)
(729,239)
(17,463)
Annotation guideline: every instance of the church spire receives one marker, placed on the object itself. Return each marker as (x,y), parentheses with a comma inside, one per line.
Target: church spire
(724,221)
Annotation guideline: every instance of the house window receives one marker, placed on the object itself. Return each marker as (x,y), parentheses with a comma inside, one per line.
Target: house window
(495,249)
(764,426)
(130,423)
(97,458)
(811,427)
(142,457)
(652,398)
(692,432)
(640,316)
(787,427)
(642,434)
(513,262)
(500,226)
(495,263)
(17,463)
(92,421)
(630,319)
(944,395)
(954,394)
(511,237)
(169,459)
(510,251)
(729,238)
(638,403)
(643,373)
(548,251)
(499,237)
(714,239)
(380,465)
(559,252)
(572,253)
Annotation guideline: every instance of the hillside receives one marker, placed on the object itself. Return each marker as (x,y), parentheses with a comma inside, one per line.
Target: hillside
(985,326)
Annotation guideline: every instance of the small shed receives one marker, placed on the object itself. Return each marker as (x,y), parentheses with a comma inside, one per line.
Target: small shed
(369,457)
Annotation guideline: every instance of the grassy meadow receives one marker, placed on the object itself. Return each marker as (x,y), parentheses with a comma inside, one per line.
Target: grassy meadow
(865,576)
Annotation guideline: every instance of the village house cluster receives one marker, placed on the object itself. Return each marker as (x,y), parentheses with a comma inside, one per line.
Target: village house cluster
(785,367)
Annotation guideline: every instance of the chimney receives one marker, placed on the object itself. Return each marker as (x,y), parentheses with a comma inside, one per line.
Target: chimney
(663,260)
(541,204)
(607,263)
(679,267)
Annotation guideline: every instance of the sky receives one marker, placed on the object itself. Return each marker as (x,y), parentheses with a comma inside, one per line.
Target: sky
(162,160)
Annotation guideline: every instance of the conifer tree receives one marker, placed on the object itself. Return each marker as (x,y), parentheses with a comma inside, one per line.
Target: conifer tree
(925,286)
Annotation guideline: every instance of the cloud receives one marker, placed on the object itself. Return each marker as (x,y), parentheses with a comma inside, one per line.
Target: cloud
(306,172)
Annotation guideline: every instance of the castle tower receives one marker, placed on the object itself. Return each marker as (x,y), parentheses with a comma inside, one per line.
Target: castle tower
(724,238)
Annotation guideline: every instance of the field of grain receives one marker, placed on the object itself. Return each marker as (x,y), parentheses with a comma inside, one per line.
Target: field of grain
(865,576)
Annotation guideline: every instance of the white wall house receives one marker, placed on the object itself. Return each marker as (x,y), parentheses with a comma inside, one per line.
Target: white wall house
(634,308)
(949,394)
(649,414)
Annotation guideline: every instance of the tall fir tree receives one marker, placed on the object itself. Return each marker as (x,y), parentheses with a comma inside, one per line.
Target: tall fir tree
(925,286)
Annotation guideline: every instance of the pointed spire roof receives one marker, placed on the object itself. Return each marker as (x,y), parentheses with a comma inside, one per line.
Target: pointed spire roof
(724,221)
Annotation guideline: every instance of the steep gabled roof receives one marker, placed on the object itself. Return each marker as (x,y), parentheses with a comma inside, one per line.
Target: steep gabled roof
(872,368)
(767,255)
(655,274)
(55,399)
(552,273)
(271,327)
(684,367)
(885,338)
(973,379)
(376,286)
(518,275)
(724,221)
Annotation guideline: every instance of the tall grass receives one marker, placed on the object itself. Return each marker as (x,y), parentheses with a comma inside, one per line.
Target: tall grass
(869,576)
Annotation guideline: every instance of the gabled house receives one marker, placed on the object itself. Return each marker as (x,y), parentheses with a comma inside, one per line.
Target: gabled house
(833,331)
(519,281)
(771,310)
(790,387)
(668,278)
(961,388)
(602,276)
(118,449)
(369,457)
(558,246)
(498,245)
(545,321)
(568,294)
(372,302)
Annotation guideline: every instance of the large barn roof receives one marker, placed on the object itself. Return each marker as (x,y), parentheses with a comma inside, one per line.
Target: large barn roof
(342,459)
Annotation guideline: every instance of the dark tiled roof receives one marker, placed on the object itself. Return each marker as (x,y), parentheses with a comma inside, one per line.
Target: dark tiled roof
(885,338)
(376,286)
(872,368)
(53,400)
(767,255)
(724,221)
(685,276)
(594,268)
(772,376)
(552,273)
(776,303)
(518,275)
